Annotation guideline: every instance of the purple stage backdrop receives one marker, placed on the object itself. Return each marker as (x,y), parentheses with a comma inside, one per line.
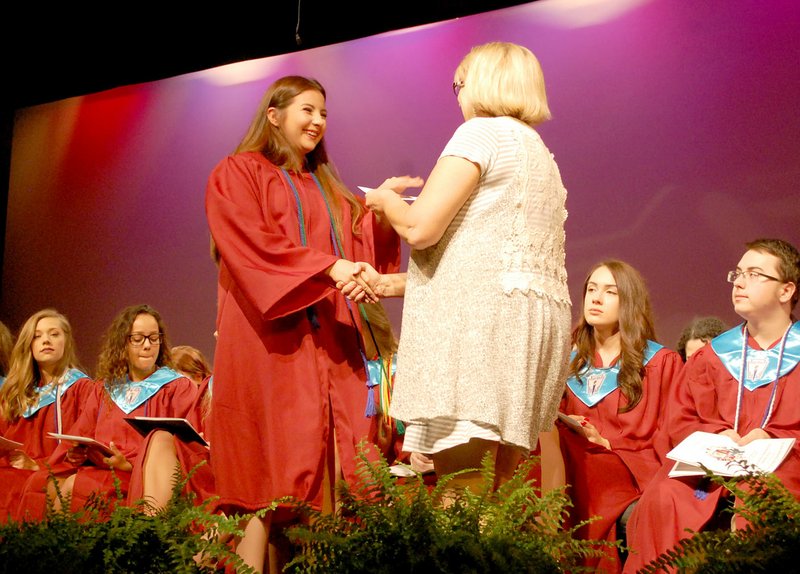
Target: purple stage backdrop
(676,126)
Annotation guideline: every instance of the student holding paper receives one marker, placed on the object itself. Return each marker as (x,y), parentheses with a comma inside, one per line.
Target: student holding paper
(744,384)
(44,391)
(616,392)
(135,380)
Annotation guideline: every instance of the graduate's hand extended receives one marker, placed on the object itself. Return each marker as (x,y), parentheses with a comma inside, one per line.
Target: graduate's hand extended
(753,435)
(22,461)
(359,286)
(117,460)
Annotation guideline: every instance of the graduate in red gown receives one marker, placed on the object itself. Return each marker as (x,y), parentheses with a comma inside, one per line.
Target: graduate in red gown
(744,384)
(162,450)
(44,392)
(616,392)
(290,398)
(134,380)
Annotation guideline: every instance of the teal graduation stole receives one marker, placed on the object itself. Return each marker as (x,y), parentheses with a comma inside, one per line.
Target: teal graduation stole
(49,394)
(602,381)
(761,366)
(338,250)
(754,368)
(131,395)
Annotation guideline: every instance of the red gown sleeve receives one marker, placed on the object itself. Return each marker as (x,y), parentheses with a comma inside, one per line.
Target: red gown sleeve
(245,202)
(693,402)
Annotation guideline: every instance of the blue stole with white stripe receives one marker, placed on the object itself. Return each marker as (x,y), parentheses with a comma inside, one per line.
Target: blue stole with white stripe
(598,382)
(761,365)
(132,394)
(47,393)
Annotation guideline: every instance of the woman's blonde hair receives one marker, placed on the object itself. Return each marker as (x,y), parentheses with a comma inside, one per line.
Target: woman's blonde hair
(504,79)
(268,139)
(18,391)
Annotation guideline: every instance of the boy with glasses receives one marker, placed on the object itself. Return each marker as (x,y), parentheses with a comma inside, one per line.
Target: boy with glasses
(744,384)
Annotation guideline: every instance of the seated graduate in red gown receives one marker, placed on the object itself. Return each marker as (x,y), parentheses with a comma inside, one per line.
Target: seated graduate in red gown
(134,379)
(744,384)
(616,391)
(162,450)
(43,392)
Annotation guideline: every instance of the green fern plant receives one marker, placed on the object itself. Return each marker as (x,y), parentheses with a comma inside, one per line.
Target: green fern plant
(383,526)
(769,542)
(107,536)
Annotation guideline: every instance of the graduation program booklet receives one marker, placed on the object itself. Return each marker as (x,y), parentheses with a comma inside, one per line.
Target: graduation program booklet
(8,444)
(181,428)
(570,422)
(721,455)
(97,450)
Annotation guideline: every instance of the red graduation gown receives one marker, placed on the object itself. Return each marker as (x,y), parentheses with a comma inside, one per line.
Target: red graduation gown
(190,455)
(104,421)
(281,385)
(704,399)
(604,482)
(32,433)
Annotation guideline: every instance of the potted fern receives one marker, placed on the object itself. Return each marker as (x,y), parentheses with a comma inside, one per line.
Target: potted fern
(383,526)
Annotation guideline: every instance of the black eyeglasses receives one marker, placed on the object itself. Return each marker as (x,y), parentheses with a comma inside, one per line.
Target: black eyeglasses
(750,276)
(457,87)
(137,339)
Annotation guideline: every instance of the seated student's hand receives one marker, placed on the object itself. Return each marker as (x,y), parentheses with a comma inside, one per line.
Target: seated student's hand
(731,434)
(117,460)
(420,462)
(77,454)
(754,434)
(22,461)
(593,435)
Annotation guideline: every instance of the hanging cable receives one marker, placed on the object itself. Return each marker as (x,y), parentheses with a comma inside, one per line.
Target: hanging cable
(297,37)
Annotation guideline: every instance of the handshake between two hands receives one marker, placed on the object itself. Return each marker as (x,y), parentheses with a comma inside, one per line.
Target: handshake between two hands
(361,283)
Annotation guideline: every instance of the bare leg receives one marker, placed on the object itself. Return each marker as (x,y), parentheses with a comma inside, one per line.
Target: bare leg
(252,548)
(65,487)
(506,463)
(160,462)
(551,461)
(461,457)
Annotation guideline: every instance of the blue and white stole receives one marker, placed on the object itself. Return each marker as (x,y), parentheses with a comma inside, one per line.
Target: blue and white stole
(596,383)
(755,368)
(133,394)
(52,393)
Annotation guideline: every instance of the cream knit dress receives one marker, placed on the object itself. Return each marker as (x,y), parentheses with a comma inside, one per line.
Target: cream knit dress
(484,338)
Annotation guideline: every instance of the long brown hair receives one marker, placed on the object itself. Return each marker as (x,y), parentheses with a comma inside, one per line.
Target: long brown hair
(264,137)
(636,327)
(191,362)
(113,363)
(6,344)
(18,391)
